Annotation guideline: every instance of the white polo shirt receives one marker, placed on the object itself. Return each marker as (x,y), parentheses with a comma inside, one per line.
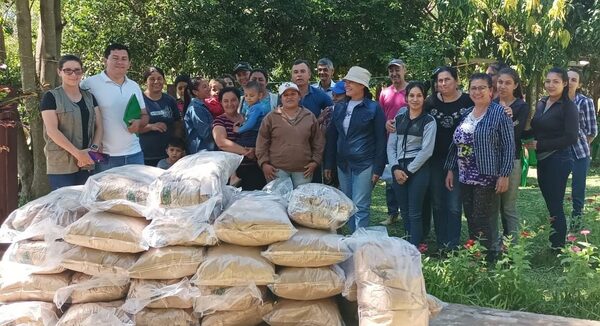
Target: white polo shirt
(112,100)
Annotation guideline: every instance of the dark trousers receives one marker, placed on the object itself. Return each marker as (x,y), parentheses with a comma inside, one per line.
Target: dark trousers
(65,180)
(553,172)
(251,174)
(391,199)
(481,210)
(445,205)
(410,198)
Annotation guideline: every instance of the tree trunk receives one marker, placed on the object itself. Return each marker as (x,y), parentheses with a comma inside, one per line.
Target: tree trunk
(47,51)
(28,82)
(58,25)
(2,43)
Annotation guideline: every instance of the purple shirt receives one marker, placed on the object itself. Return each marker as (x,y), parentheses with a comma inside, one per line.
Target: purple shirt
(468,172)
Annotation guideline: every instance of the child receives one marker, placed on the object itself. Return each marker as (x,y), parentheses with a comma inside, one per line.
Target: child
(175,151)
(248,132)
(212,102)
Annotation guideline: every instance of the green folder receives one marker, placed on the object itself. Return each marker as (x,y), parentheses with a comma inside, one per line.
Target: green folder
(133,111)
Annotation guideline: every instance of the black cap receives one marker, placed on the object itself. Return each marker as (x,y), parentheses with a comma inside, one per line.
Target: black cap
(245,66)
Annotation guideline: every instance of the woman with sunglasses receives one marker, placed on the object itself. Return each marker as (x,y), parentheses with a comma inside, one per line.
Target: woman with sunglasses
(72,127)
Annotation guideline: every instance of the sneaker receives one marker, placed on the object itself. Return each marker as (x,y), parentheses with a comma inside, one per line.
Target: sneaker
(390,220)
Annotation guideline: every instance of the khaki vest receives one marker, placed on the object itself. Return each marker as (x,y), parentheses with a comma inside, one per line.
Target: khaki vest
(58,160)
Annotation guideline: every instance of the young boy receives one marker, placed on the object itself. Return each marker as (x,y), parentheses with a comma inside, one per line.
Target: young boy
(175,151)
(257,110)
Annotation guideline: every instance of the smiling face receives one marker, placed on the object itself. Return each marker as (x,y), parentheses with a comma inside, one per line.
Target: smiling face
(71,73)
(324,74)
(230,103)
(506,85)
(554,84)
(117,64)
(446,84)
(215,87)
(155,82)
(242,76)
(415,98)
(396,74)
(202,91)
(260,78)
(300,74)
(480,92)
(228,82)
(354,90)
(290,99)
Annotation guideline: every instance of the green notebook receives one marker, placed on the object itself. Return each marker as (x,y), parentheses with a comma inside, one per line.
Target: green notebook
(133,111)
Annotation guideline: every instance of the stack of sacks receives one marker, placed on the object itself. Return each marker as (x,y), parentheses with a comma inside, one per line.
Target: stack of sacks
(390,284)
(44,217)
(308,275)
(187,197)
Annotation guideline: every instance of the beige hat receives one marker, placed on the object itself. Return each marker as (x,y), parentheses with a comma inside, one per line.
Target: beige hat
(287,85)
(358,75)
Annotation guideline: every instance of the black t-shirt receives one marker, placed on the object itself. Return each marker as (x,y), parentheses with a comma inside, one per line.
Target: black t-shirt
(49,103)
(447,116)
(164,110)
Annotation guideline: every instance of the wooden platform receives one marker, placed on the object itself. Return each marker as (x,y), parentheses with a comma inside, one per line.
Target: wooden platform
(457,314)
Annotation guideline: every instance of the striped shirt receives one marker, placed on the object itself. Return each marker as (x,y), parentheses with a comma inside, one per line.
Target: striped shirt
(228,124)
(588,126)
(493,144)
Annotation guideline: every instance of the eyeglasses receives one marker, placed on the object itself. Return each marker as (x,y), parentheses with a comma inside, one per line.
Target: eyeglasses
(477,88)
(69,71)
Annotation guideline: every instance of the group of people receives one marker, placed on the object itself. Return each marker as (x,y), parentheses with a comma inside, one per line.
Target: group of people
(444,152)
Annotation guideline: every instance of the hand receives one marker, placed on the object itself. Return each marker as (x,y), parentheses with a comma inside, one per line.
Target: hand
(159,126)
(269,171)
(531,144)
(327,175)
(450,180)
(390,126)
(508,111)
(309,169)
(250,153)
(83,158)
(134,126)
(400,176)
(324,114)
(236,128)
(374,180)
(501,185)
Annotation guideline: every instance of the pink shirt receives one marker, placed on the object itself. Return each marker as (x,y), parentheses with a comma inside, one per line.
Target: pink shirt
(391,101)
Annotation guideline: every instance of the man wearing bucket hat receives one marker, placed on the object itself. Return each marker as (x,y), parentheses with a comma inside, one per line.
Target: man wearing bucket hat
(392,99)
(356,144)
(290,143)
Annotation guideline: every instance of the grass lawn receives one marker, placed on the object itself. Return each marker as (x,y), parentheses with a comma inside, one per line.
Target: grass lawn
(542,282)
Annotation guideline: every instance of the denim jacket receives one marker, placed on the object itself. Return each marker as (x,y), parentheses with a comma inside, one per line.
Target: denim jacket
(198,127)
(494,143)
(365,143)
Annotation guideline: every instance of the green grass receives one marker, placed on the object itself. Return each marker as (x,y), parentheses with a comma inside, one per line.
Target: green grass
(544,277)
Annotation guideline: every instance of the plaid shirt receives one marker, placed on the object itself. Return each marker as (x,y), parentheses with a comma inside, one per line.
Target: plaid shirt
(587,125)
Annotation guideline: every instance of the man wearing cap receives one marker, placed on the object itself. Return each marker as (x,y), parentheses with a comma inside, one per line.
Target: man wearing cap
(391,99)
(325,71)
(113,91)
(356,144)
(241,71)
(289,142)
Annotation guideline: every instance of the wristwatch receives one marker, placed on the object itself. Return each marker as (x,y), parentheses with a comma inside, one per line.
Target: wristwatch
(94,147)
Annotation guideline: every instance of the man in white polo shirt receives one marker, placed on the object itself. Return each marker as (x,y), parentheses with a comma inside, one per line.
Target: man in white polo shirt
(113,90)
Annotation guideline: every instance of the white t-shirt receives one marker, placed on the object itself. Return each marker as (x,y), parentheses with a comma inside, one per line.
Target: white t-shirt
(112,100)
(349,110)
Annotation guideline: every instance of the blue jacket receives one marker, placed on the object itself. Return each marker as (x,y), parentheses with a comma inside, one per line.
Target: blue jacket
(198,127)
(494,143)
(365,143)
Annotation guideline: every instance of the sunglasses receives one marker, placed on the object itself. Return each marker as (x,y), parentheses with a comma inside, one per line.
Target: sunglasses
(69,71)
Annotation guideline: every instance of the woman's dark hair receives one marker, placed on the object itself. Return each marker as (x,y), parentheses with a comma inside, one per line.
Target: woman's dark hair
(451,70)
(182,78)
(152,69)
(253,85)
(233,90)
(481,76)
(565,78)
(194,83)
(518,92)
(228,76)
(69,57)
(262,71)
(417,84)
(497,66)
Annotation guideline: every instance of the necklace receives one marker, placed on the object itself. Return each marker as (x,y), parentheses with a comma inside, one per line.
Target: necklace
(288,117)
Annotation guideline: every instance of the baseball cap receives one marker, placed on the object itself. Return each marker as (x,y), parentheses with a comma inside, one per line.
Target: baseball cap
(288,85)
(396,62)
(245,66)
(339,87)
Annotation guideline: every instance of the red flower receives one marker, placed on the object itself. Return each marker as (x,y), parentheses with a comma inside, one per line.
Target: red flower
(422,247)
(469,244)
(585,232)
(525,234)
(571,237)
(575,249)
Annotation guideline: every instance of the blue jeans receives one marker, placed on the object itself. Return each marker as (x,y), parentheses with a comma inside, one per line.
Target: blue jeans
(115,161)
(297,177)
(553,172)
(410,198)
(65,180)
(581,167)
(357,186)
(445,205)
(391,199)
